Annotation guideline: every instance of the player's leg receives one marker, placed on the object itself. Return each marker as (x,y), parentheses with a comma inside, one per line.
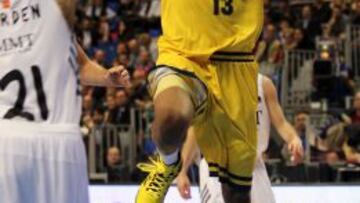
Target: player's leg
(173,113)
(237,181)
(237,177)
(175,105)
(231,195)
(232,160)
(238,85)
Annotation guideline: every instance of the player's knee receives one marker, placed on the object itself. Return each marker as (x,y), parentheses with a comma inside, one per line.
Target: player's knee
(170,128)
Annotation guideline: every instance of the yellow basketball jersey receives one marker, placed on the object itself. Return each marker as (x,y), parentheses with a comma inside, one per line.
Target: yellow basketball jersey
(195,29)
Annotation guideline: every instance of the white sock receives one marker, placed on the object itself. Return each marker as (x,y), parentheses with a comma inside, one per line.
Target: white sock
(170,158)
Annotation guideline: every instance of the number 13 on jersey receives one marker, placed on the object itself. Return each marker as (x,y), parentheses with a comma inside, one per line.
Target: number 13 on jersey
(224,7)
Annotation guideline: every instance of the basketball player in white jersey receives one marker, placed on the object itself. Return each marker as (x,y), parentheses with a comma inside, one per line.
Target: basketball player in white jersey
(42,157)
(269,111)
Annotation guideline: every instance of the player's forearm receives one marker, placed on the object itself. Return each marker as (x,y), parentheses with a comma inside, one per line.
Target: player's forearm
(287,132)
(188,160)
(189,152)
(93,74)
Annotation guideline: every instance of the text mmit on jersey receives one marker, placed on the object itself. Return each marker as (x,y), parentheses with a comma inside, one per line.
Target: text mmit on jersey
(15,17)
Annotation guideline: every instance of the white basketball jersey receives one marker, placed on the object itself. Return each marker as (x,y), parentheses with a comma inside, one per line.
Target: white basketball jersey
(263,119)
(39,75)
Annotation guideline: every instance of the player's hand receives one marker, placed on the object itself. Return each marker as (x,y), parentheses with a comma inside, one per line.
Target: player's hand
(296,149)
(183,185)
(118,76)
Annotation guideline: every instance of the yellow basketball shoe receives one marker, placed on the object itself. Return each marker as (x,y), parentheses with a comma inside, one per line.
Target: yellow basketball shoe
(154,188)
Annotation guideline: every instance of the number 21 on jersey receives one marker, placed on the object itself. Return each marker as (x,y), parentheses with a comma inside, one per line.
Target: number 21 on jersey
(18,109)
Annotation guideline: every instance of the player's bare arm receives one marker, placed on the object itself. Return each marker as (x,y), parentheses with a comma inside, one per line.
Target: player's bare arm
(92,73)
(286,131)
(190,151)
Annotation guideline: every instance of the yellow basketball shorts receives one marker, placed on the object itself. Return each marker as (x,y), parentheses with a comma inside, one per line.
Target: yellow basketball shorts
(224,95)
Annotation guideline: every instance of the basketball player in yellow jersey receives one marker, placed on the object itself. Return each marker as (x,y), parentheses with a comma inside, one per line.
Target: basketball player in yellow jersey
(206,77)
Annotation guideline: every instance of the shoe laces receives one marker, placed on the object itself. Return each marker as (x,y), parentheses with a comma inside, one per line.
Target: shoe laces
(157,178)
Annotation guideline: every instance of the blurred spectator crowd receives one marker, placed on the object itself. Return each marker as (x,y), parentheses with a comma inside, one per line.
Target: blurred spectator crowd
(291,24)
(117,32)
(331,141)
(125,32)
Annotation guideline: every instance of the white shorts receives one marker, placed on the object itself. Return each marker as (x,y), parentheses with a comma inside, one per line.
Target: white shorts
(42,163)
(210,187)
